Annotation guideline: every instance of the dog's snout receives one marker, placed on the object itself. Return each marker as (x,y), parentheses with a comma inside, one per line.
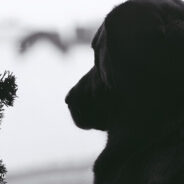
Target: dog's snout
(83,87)
(71,96)
(67,98)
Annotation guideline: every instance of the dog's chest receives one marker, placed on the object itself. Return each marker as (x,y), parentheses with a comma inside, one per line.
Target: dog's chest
(155,165)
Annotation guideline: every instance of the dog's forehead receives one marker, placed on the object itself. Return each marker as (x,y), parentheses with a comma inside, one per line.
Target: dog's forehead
(98,36)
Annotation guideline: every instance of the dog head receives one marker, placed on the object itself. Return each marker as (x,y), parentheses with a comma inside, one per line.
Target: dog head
(90,101)
(138,69)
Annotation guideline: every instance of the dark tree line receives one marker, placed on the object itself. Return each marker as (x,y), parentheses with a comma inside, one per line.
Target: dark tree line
(8,89)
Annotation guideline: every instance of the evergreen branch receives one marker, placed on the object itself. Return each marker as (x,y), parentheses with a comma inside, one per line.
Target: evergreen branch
(8,88)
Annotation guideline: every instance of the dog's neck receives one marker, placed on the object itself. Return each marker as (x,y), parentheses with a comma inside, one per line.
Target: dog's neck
(125,142)
(139,135)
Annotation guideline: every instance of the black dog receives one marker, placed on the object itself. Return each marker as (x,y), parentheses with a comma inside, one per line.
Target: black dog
(135,92)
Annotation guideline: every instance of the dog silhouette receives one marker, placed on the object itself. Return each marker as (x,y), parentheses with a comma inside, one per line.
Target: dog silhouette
(135,92)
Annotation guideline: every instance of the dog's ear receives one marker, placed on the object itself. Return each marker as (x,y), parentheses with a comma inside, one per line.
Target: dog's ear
(137,48)
(135,41)
(146,50)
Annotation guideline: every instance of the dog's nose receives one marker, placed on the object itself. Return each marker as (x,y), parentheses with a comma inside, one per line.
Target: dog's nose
(67,98)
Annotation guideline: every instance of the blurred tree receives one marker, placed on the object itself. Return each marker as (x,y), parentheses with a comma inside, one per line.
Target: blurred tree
(83,35)
(8,90)
(52,37)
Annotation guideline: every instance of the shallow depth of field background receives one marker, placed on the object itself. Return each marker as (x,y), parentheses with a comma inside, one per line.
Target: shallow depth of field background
(46,44)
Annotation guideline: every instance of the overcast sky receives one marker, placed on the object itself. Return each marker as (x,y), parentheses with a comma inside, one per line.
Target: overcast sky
(52,12)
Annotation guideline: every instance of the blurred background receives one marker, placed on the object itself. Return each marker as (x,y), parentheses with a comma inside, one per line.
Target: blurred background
(46,44)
